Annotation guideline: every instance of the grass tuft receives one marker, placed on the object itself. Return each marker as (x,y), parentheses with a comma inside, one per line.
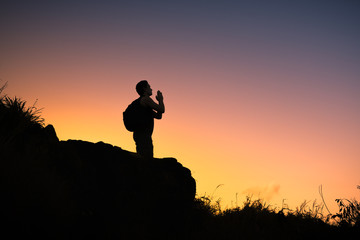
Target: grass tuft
(15,110)
(16,119)
(17,107)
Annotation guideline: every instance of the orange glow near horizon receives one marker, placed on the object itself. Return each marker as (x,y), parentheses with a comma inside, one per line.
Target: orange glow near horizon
(248,151)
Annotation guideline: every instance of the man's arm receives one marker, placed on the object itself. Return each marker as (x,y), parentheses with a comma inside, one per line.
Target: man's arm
(159,108)
(160,99)
(157,115)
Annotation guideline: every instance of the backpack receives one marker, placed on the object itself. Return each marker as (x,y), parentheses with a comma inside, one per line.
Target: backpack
(132,116)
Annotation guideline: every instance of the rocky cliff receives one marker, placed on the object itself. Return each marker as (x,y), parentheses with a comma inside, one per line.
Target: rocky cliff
(81,190)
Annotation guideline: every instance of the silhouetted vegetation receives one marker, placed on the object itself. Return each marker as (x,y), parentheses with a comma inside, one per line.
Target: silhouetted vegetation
(79,190)
(349,213)
(258,220)
(16,118)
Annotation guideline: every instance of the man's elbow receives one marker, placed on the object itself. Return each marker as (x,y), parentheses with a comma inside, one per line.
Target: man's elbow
(158,116)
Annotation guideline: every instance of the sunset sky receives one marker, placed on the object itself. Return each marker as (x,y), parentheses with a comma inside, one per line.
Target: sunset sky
(262,97)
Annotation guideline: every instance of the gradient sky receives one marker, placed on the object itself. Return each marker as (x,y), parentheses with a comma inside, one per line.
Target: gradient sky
(261,96)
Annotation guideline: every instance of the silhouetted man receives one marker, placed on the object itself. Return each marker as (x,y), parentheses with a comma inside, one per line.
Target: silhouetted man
(150,110)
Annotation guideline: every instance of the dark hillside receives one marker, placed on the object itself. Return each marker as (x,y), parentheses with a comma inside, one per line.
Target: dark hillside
(81,190)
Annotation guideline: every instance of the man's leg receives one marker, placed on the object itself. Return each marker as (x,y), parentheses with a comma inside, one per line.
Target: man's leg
(144,145)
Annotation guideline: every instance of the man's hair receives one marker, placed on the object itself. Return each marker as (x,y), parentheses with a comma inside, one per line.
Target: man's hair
(140,87)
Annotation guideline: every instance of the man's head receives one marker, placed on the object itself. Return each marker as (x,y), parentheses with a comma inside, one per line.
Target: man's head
(143,87)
